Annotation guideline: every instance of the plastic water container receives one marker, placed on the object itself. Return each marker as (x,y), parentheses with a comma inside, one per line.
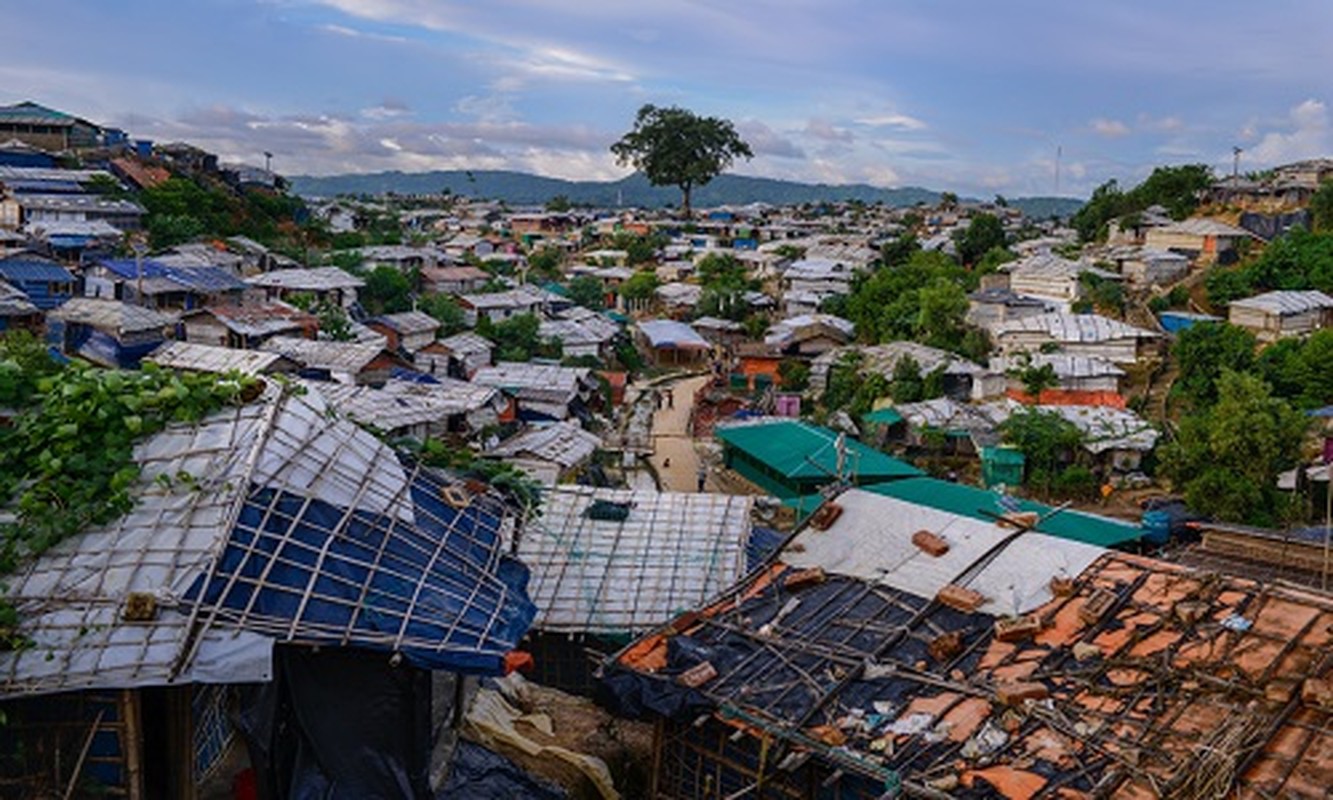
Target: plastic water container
(1156,527)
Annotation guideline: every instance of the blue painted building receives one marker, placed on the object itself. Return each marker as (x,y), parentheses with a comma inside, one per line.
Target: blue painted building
(46,284)
(1174,322)
(164,286)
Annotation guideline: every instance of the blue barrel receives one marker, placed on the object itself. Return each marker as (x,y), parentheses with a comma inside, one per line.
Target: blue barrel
(1156,527)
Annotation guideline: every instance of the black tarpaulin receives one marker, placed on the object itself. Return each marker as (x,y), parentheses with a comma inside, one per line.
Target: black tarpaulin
(338,724)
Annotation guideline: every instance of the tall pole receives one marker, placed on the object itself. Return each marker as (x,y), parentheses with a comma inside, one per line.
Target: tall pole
(1059,152)
(1235,164)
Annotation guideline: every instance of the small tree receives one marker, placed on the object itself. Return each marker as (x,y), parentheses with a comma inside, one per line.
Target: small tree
(1227,458)
(983,233)
(676,147)
(1047,441)
(586,291)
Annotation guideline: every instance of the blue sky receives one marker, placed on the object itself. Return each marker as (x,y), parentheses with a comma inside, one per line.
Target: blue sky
(971,96)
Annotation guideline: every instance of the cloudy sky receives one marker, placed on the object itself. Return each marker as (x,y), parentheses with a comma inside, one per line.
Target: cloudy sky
(974,96)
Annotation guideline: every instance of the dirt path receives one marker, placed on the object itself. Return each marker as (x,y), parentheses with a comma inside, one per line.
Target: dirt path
(674,455)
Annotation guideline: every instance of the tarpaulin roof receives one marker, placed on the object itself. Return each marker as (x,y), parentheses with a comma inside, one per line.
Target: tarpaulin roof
(294,526)
(22,270)
(798,449)
(207,280)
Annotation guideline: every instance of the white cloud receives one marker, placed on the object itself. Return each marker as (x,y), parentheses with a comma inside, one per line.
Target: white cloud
(1309,135)
(1110,128)
(893,120)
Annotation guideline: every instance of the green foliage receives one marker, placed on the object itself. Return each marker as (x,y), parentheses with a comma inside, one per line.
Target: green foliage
(628,356)
(66,463)
(638,249)
(586,291)
(445,310)
(507,479)
(387,291)
(1299,370)
(1048,442)
(1178,297)
(181,209)
(983,233)
(517,338)
(675,147)
(924,298)
(24,362)
(1106,295)
(106,186)
(1036,379)
(907,386)
(795,375)
(1175,188)
(559,204)
(900,250)
(1298,260)
(1202,351)
(1321,208)
(545,263)
(640,285)
(334,322)
(1227,458)
(993,258)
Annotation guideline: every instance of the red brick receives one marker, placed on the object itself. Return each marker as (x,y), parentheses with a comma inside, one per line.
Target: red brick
(930,543)
(1011,694)
(960,598)
(697,675)
(1016,629)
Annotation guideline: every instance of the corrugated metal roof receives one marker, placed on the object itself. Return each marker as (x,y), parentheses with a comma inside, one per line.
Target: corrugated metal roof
(319,279)
(563,443)
(1285,302)
(796,449)
(208,358)
(670,333)
(349,357)
(111,315)
(203,279)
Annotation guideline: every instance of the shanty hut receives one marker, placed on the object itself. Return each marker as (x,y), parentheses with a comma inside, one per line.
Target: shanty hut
(302,558)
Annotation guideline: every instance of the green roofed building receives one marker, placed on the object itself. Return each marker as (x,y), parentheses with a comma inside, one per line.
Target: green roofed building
(970,501)
(790,458)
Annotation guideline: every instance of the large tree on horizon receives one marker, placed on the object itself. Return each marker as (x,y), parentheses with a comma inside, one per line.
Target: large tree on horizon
(675,147)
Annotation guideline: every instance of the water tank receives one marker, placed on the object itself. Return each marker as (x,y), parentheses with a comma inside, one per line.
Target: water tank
(1156,527)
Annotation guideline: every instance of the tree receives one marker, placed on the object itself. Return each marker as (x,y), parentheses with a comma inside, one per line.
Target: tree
(586,291)
(675,147)
(558,204)
(445,310)
(948,200)
(983,232)
(1047,440)
(1202,351)
(640,285)
(795,375)
(1321,208)
(517,338)
(387,291)
(899,250)
(1226,459)
(939,323)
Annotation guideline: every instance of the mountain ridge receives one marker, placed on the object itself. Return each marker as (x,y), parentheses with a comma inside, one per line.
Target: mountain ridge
(521,188)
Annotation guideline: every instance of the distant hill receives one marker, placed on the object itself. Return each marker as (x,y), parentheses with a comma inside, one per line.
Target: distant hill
(521,188)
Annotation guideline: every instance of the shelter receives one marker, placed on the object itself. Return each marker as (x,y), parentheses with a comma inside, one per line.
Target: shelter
(542,391)
(45,283)
(296,530)
(791,458)
(163,286)
(669,342)
(420,410)
(611,563)
(408,331)
(1279,314)
(107,332)
(16,311)
(457,356)
(191,357)
(327,284)
(961,659)
(549,453)
(1088,335)
(809,335)
(341,362)
(247,326)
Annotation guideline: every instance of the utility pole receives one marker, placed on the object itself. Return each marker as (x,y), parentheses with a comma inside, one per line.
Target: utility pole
(1235,164)
(139,249)
(268,162)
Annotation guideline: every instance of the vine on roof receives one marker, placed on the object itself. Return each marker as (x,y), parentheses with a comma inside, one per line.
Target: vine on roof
(67,461)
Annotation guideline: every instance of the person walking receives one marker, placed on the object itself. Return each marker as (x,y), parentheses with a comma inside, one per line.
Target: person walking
(702,476)
(671,398)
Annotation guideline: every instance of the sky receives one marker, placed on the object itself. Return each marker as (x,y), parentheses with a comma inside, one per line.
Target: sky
(980,97)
